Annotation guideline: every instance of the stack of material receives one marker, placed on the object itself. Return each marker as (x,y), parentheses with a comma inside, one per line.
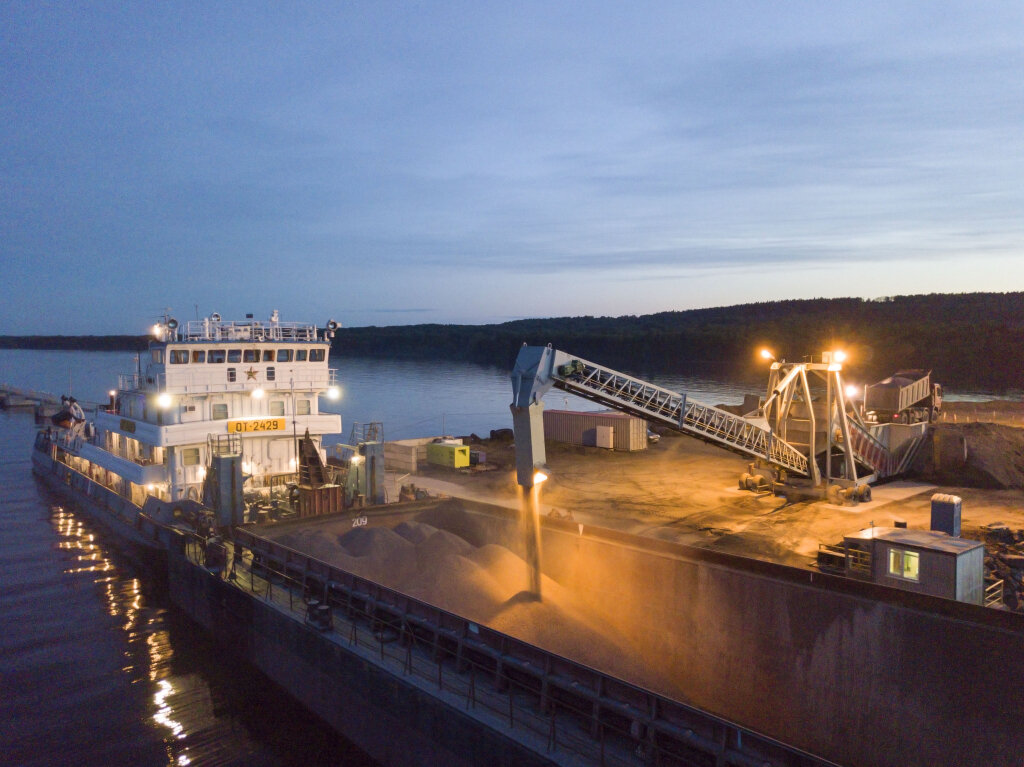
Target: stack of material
(484,584)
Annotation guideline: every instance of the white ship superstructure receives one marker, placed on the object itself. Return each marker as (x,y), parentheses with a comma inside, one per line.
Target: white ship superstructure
(254,385)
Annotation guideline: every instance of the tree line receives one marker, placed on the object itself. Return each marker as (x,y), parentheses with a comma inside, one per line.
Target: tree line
(970,340)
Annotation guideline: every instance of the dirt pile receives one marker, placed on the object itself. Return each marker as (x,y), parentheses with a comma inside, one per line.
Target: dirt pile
(984,455)
(483,583)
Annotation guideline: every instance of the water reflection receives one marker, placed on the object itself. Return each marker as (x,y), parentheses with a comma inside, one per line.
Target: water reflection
(148,643)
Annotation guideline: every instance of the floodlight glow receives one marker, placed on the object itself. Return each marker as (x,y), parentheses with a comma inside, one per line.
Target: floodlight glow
(257,393)
(539,476)
(112,393)
(852,391)
(156,330)
(164,400)
(333,393)
(839,356)
(767,355)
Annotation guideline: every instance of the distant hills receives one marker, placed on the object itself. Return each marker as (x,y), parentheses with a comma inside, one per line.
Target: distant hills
(970,340)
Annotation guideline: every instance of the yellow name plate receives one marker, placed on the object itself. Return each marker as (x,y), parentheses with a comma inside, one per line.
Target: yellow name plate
(263,424)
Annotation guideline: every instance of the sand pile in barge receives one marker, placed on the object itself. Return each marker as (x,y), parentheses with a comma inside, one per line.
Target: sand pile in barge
(484,584)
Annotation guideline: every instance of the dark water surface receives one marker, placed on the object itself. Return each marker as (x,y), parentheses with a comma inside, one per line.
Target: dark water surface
(96,666)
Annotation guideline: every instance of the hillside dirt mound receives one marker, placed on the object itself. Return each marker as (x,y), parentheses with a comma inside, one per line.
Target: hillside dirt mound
(982,455)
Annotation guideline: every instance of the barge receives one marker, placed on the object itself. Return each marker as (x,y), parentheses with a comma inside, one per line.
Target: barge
(761,664)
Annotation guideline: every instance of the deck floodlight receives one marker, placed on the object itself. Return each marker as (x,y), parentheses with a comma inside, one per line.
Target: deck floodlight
(767,355)
(257,393)
(852,391)
(157,330)
(839,356)
(163,400)
(333,392)
(540,473)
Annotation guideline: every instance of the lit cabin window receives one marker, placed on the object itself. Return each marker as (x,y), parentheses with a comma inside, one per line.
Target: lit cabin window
(158,356)
(277,407)
(190,456)
(234,355)
(179,357)
(284,355)
(300,355)
(199,356)
(904,564)
(302,407)
(316,355)
(216,356)
(268,355)
(251,355)
(271,374)
(219,411)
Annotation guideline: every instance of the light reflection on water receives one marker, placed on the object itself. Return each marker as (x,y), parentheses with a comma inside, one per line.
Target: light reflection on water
(97,669)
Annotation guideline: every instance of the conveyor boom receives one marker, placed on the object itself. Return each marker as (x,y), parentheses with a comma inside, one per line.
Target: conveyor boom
(549,367)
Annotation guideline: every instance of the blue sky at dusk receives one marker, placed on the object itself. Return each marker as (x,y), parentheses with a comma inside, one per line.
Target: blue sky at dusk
(393,163)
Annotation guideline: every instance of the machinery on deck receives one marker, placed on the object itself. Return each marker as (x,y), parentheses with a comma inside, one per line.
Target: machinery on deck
(805,436)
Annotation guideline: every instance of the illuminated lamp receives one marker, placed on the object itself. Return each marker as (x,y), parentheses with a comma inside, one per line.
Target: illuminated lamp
(333,392)
(164,400)
(257,393)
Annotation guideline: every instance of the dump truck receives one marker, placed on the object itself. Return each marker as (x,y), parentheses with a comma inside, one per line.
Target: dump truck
(908,396)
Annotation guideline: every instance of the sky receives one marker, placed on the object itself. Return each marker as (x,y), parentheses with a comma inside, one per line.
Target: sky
(388,163)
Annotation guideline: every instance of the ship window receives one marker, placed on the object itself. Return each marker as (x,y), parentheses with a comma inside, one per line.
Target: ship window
(179,357)
(158,356)
(300,355)
(234,355)
(271,373)
(216,355)
(302,407)
(284,355)
(268,355)
(219,411)
(231,375)
(316,355)
(251,355)
(277,407)
(199,356)
(904,564)
(190,456)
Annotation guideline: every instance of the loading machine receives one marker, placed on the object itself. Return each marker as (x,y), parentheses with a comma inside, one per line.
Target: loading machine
(805,437)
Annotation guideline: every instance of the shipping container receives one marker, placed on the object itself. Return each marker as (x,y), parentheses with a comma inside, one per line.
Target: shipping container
(447,454)
(628,432)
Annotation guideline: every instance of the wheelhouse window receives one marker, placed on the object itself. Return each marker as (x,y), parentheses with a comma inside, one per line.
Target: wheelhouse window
(190,456)
(216,356)
(232,376)
(250,355)
(904,564)
(268,355)
(316,355)
(300,355)
(302,407)
(219,411)
(284,355)
(277,407)
(234,355)
(179,356)
(199,356)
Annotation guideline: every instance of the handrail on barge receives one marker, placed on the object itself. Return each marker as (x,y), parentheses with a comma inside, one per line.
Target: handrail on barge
(660,728)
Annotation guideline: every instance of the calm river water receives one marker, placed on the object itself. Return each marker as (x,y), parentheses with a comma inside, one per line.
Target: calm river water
(96,667)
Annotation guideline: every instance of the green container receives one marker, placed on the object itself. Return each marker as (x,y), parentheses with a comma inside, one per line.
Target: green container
(452,456)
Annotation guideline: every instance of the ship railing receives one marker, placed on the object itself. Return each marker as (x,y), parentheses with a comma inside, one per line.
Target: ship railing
(994,594)
(576,710)
(249,330)
(284,383)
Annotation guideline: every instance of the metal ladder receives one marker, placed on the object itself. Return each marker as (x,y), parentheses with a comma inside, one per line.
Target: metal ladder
(623,392)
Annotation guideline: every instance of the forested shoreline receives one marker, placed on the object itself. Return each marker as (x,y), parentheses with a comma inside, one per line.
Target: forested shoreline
(970,340)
